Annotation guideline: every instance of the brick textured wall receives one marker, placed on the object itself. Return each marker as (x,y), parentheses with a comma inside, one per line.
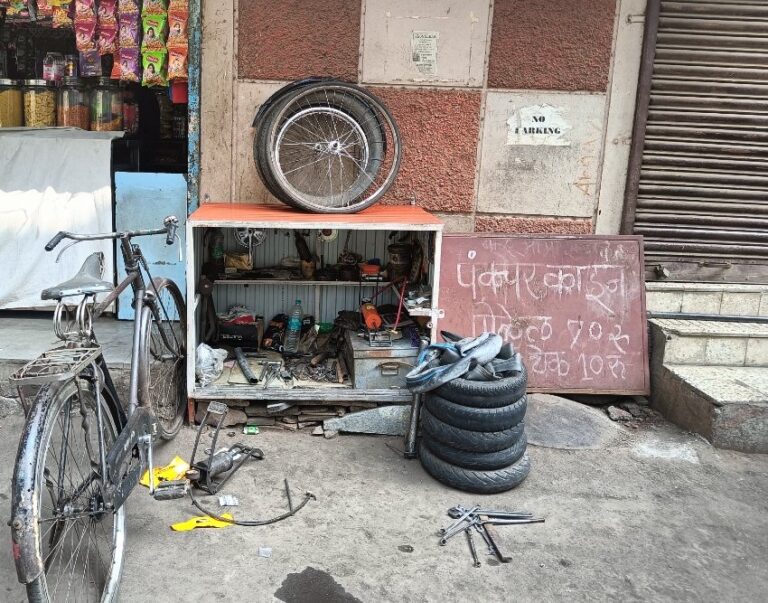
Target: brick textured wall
(548,53)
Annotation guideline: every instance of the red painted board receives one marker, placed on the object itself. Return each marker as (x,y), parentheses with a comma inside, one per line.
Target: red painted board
(573,306)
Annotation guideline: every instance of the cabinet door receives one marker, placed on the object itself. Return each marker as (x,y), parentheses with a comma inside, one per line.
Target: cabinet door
(573,306)
(143,200)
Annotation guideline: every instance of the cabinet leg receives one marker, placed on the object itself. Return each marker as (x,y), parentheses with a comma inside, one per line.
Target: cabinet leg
(191,410)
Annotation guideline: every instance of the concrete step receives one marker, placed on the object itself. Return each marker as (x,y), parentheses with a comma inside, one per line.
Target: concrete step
(715,343)
(727,405)
(707,298)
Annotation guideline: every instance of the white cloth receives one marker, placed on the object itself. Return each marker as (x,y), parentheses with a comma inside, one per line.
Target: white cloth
(50,180)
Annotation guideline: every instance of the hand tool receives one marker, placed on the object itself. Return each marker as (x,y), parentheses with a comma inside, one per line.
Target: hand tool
(458,521)
(475,560)
(242,362)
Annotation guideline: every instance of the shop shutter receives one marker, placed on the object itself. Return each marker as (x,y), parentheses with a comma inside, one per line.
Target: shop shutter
(702,189)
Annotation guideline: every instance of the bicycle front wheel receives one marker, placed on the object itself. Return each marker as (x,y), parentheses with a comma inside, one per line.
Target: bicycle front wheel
(78,540)
(162,382)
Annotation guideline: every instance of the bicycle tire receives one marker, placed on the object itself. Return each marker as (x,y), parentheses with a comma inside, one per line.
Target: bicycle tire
(30,487)
(309,95)
(484,461)
(162,366)
(469,480)
(485,394)
(477,419)
(471,441)
(374,113)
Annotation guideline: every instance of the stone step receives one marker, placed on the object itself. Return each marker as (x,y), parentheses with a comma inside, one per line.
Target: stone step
(707,298)
(727,405)
(703,342)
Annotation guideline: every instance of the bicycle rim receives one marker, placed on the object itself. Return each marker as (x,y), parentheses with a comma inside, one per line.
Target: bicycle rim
(327,170)
(81,545)
(165,353)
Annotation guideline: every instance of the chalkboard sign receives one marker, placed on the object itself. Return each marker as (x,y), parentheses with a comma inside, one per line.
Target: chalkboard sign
(573,306)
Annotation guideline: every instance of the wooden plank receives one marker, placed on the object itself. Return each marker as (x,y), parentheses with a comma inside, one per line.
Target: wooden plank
(278,282)
(573,306)
(305,396)
(216,111)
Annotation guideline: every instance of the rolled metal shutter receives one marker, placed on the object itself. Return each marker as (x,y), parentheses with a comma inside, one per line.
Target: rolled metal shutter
(702,194)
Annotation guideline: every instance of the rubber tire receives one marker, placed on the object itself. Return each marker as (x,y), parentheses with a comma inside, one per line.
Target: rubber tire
(36,432)
(468,480)
(476,419)
(354,105)
(166,430)
(471,441)
(484,461)
(485,394)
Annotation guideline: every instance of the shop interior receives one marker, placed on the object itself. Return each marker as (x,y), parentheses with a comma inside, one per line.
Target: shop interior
(87,65)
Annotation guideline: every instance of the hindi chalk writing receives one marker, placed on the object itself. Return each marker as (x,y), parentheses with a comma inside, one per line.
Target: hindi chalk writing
(574,307)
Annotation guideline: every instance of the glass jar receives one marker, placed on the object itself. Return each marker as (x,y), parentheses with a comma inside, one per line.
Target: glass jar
(106,106)
(11,106)
(74,110)
(39,104)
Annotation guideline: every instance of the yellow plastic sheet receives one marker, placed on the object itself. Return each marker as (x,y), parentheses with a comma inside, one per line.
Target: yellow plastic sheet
(201,521)
(176,469)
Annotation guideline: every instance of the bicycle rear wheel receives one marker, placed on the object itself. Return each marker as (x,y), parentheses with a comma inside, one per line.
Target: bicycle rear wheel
(162,382)
(80,543)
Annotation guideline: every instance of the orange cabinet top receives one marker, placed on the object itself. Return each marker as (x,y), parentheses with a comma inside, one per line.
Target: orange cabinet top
(378,217)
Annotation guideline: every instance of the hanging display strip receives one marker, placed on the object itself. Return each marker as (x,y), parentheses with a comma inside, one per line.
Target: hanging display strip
(573,306)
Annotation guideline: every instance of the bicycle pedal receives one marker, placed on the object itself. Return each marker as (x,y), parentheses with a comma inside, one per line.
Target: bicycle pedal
(217,408)
(171,490)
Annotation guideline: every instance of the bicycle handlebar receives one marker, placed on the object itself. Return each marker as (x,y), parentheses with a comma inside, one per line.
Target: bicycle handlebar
(171,224)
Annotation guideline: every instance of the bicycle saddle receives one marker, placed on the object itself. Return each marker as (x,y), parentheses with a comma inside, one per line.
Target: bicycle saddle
(87,281)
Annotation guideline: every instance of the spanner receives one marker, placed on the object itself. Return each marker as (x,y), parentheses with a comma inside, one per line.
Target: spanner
(475,560)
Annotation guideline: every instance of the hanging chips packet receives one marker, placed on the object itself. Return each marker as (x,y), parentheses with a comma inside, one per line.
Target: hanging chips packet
(130,65)
(154,67)
(155,30)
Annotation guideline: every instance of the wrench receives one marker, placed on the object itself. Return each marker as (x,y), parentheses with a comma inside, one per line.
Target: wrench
(459,520)
(479,529)
(475,560)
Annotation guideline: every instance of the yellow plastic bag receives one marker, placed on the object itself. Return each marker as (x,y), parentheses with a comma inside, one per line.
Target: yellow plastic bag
(176,469)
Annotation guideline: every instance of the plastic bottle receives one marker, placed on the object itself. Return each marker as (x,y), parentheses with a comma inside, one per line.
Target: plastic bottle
(293,330)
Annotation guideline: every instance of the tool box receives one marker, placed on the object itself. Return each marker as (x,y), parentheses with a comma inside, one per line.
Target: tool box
(378,367)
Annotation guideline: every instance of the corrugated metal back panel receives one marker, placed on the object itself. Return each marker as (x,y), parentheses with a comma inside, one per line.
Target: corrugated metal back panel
(324,302)
(703,193)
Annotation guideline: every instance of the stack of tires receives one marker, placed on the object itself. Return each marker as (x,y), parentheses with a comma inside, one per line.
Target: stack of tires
(472,430)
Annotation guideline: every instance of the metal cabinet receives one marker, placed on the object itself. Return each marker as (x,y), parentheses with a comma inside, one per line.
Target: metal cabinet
(367,232)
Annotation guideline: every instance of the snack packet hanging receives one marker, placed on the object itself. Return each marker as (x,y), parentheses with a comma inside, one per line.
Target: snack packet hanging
(154,64)
(107,42)
(177,63)
(61,17)
(107,12)
(130,65)
(129,30)
(155,30)
(154,7)
(85,34)
(177,29)
(128,6)
(85,9)
(116,70)
(178,6)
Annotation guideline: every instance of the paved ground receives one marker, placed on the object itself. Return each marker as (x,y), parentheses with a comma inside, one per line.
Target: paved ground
(659,516)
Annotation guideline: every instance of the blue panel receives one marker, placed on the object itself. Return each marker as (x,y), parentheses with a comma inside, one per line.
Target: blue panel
(142,200)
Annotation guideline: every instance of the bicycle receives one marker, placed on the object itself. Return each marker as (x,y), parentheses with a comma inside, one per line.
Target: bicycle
(82,451)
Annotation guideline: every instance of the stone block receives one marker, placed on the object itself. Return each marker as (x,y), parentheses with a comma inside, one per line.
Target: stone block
(540,153)
(685,350)
(440,132)
(726,351)
(763,305)
(457,223)
(740,304)
(249,96)
(551,44)
(757,353)
(410,41)
(533,225)
(663,301)
(702,302)
(288,40)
